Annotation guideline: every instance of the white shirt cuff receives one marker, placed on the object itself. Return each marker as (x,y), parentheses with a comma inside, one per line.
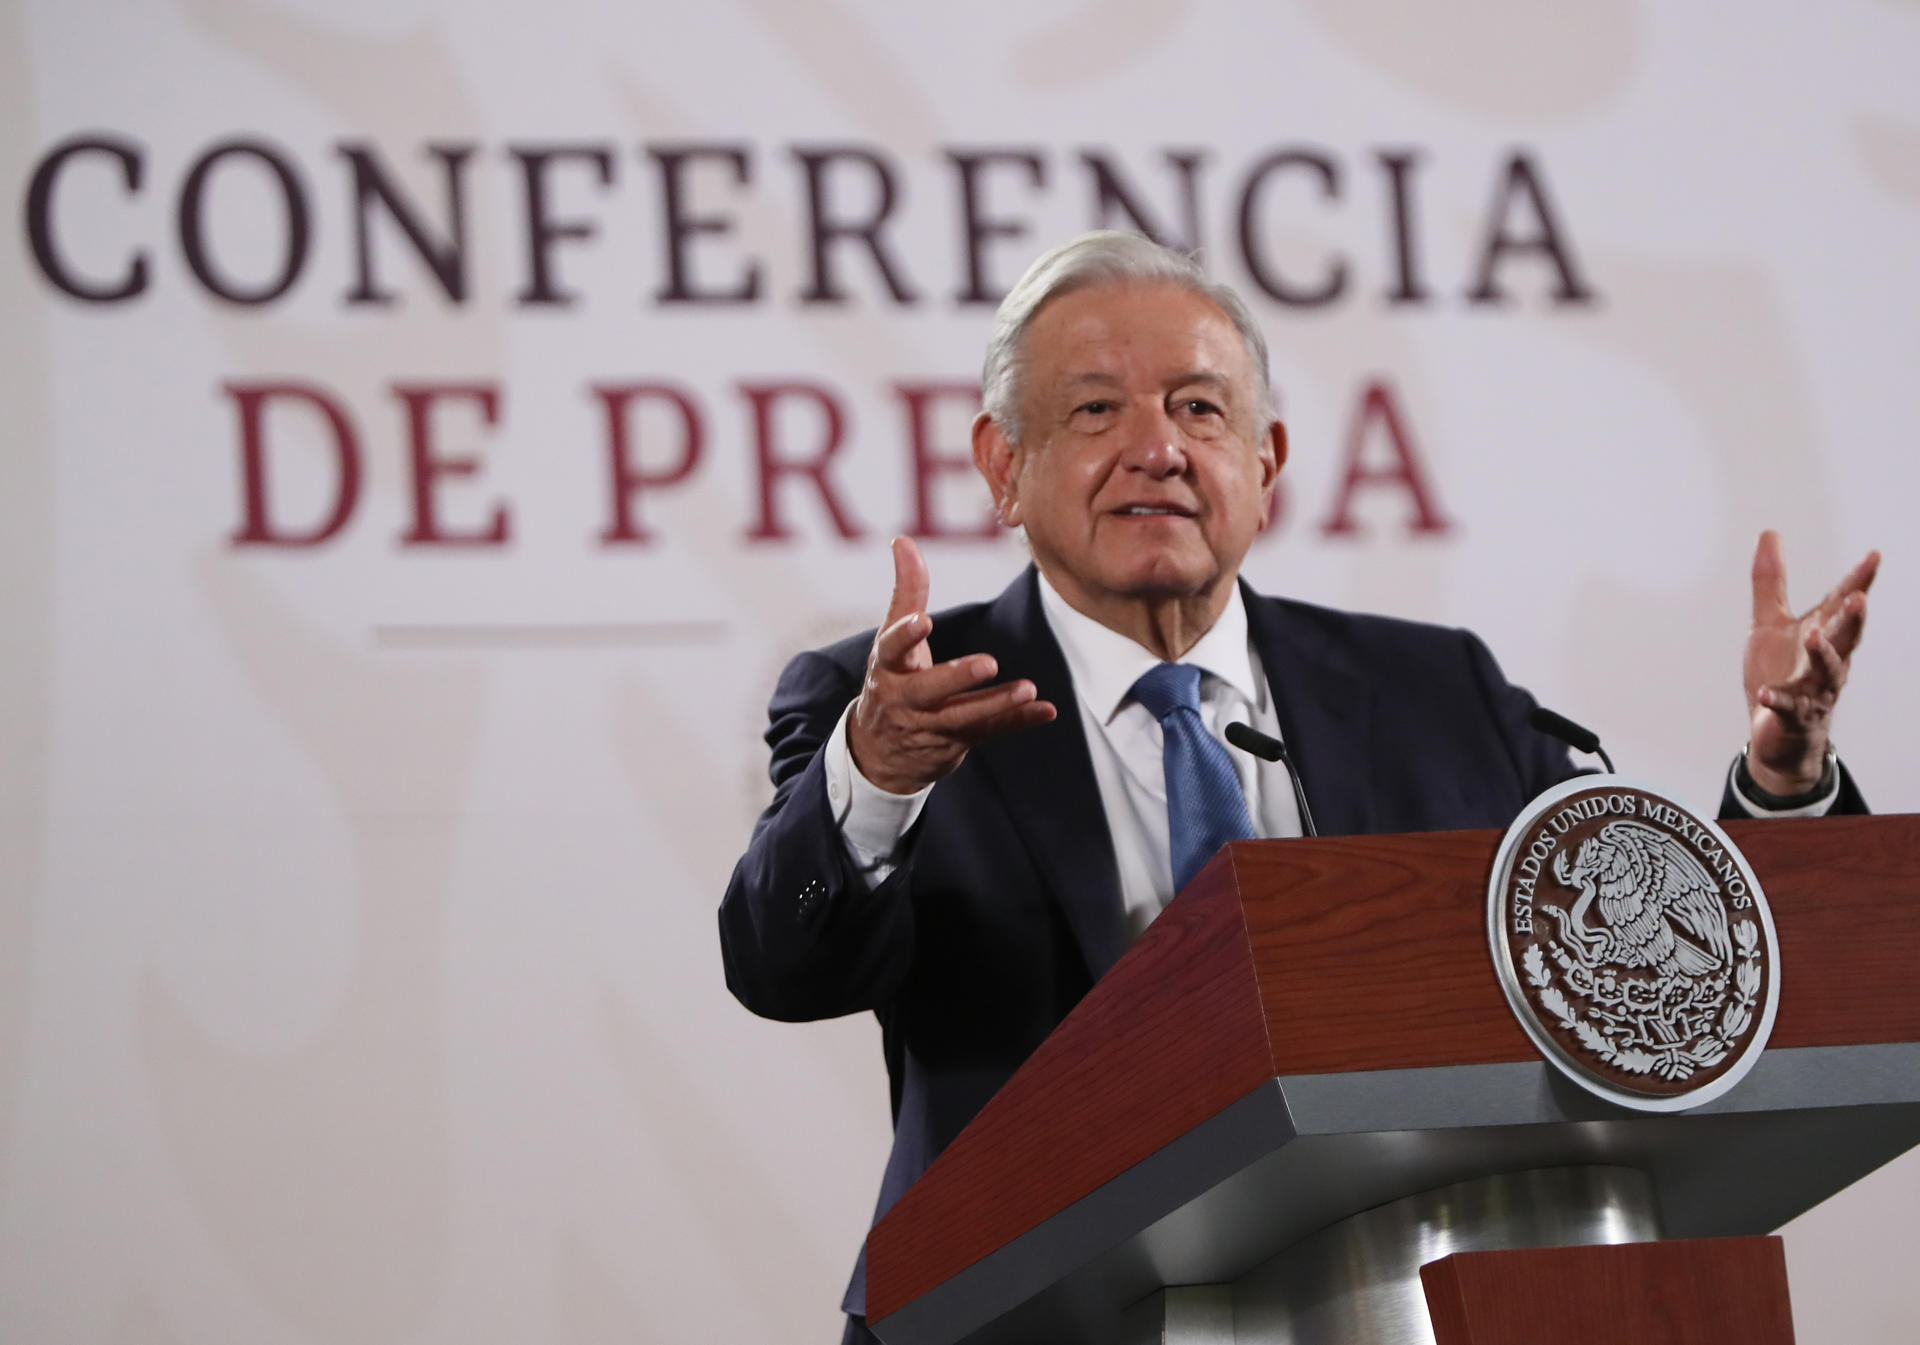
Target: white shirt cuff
(1820,807)
(872,821)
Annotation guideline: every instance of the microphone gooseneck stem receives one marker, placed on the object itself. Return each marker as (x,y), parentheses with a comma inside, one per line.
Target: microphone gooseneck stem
(1267,748)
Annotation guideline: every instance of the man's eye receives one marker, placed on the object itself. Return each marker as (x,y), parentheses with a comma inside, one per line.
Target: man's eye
(1096,408)
(1199,406)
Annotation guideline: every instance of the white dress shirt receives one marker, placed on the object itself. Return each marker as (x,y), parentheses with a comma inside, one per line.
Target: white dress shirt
(1125,743)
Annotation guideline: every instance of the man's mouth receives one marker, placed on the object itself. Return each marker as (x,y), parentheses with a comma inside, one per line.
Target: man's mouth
(1154,510)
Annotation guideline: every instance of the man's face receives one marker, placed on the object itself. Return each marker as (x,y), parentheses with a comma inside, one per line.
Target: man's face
(1147,459)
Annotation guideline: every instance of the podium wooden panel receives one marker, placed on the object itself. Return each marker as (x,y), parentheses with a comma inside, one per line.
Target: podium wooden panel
(1312,1025)
(1713,1291)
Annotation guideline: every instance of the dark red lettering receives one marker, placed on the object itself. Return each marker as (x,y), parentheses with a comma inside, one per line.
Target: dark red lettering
(682,227)
(1377,406)
(1112,196)
(193,223)
(445,257)
(1407,286)
(543,230)
(774,467)
(257,526)
(824,228)
(629,479)
(979,228)
(1333,281)
(930,464)
(133,279)
(1521,182)
(428,467)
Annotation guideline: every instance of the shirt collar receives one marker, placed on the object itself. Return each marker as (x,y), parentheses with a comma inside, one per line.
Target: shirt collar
(1105,664)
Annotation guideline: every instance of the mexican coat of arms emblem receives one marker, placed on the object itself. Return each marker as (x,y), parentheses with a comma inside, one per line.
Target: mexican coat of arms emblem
(1633,943)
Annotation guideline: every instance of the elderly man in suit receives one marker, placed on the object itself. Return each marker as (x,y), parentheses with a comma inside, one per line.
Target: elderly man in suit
(975,810)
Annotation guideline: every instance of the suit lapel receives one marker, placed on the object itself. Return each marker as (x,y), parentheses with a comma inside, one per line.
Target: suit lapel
(1045,778)
(1324,702)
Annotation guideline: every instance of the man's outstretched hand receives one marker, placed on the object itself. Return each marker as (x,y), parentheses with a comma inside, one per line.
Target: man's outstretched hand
(915,720)
(1794,668)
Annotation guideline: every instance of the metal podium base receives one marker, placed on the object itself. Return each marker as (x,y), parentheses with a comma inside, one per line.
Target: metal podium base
(1357,1282)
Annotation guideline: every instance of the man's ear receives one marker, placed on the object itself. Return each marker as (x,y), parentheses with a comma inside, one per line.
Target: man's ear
(996,457)
(1273,454)
(1272,451)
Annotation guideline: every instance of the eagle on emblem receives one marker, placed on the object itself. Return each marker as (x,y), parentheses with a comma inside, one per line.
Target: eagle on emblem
(1658,906)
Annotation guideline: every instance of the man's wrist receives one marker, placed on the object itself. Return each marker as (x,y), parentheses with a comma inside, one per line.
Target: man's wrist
(872,820)
(1821,791)
(1802,777)
(895,788)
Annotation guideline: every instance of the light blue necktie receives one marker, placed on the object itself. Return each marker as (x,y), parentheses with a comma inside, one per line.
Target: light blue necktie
(1205,808)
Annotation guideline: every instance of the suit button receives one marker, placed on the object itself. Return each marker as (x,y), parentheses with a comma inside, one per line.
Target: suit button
(810,896)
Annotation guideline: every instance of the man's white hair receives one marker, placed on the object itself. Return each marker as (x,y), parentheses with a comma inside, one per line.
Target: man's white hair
(1105,256)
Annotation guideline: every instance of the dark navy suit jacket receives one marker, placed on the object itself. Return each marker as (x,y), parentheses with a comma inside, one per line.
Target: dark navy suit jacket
(1006,907)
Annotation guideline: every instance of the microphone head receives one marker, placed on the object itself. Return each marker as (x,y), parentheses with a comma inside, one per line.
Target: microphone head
(1250,739)
(1568,732)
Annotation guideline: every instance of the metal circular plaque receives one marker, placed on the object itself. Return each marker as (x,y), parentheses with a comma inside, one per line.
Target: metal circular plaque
(1633,943)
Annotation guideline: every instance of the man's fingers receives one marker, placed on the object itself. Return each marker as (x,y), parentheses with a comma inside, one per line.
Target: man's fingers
(931,688)
(964,715)
(897,646)
(1026,715)
(963,709)
(1769,579)
(1799,708)
(1859,579)
(911,584)
(894,646)
(1846,625)
(1829,668)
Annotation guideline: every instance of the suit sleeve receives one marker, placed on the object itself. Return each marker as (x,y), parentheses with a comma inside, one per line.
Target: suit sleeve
(1847,801)
(801,934)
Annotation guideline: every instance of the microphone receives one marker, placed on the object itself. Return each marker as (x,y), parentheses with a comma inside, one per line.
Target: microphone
(1250,739)
(1579,739)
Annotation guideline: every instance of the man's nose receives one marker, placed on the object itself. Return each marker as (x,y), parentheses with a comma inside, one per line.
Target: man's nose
(1154,446)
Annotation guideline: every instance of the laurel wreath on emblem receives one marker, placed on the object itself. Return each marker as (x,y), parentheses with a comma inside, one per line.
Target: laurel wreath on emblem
(1607,1038)
(1663,984)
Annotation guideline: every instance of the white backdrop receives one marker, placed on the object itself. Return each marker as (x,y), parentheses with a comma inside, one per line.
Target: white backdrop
(358,973)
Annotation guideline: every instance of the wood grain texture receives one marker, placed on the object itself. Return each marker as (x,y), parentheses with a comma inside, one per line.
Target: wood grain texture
(1845,894)
(1372,952)
(1344,954)
(1710,1291)
(1174,1037)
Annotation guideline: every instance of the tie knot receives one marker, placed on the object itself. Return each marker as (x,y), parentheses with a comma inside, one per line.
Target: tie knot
(1169,687)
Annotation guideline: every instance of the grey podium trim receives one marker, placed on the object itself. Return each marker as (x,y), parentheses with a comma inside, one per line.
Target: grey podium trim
(1210,1153)
(1531,1092)
(1300,1152)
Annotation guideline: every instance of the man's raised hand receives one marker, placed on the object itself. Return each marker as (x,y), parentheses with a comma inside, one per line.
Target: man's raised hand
(915,720)
(1794,668)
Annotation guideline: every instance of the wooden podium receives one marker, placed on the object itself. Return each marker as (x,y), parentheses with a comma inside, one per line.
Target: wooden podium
(1308,1056)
